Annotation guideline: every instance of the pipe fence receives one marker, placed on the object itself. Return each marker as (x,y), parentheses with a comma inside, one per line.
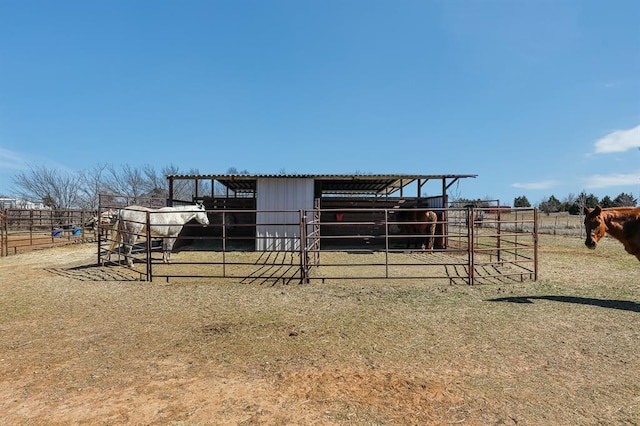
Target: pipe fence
(470,245)
(26,229)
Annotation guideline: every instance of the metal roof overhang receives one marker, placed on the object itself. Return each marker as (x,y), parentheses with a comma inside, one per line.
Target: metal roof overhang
(330,184)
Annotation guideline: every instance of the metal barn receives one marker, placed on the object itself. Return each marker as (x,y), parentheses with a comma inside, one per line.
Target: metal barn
(274,200)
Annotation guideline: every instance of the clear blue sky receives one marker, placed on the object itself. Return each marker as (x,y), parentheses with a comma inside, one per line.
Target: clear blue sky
(537,97)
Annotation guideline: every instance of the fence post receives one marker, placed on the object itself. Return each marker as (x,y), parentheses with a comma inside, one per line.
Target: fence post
(224,243)
(149,246)
(470,243)
(304,263)
(535,244)
(499,236)
(4,233)
(386,243)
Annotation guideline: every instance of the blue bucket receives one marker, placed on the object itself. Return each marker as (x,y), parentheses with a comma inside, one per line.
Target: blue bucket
(57,232)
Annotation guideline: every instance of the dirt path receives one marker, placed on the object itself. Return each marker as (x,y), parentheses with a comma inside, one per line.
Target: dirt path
(81,344)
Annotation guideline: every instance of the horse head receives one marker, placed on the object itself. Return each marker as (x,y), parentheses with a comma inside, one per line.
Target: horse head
(201,214)
(594,226)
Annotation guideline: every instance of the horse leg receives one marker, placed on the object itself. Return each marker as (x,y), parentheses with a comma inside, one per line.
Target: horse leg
(424,237)
(128,248)
(165,253)
(128,242)
(430,236)
(115,238)
(167,248)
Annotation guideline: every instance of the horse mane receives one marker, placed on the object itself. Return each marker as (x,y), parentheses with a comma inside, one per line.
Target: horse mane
(623,209)
(621,213)
(186,207)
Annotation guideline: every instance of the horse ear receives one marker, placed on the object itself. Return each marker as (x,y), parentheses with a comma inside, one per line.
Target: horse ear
(598,210)
(586,210)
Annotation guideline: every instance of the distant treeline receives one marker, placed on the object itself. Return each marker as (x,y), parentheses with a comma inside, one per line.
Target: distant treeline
(573,204)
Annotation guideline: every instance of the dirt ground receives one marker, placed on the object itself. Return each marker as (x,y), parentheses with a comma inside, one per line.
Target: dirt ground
(83,344)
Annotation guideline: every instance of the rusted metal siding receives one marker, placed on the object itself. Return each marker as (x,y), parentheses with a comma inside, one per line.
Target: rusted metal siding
(279,202)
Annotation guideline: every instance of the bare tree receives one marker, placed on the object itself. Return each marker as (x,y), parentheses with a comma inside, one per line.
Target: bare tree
(186,189)
(157,181)
(93,185)
(128,181)
(54,188)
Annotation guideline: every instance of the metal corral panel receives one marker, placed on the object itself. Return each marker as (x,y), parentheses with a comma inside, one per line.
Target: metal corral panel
(278,202)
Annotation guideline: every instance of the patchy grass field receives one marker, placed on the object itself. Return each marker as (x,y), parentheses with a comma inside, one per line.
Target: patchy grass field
(81,344)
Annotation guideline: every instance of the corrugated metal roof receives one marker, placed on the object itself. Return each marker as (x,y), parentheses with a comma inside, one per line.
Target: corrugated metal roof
(329,183)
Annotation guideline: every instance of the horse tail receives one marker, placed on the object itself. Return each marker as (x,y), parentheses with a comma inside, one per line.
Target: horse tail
(115,237)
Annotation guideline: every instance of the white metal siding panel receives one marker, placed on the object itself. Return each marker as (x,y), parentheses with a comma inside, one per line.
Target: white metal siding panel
(435,202)
(278,202)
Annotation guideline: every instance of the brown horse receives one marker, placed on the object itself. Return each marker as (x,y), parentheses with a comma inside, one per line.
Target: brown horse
(622,223)
(418,222)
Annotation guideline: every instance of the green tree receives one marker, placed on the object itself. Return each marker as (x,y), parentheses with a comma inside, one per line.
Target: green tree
(589,200)
(568,202)
(574,208)
(551,205)
(624,200)
(521,202)
(606,202)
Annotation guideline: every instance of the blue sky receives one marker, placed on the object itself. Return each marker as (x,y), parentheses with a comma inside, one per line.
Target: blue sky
(536,97)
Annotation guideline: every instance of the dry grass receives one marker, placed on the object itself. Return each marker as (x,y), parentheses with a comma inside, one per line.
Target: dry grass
(86,344)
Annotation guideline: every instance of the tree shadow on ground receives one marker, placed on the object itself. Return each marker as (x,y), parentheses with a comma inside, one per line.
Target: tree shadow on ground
(624,305)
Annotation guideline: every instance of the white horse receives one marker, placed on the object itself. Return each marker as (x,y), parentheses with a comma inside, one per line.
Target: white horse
(102,223)
(165,223)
